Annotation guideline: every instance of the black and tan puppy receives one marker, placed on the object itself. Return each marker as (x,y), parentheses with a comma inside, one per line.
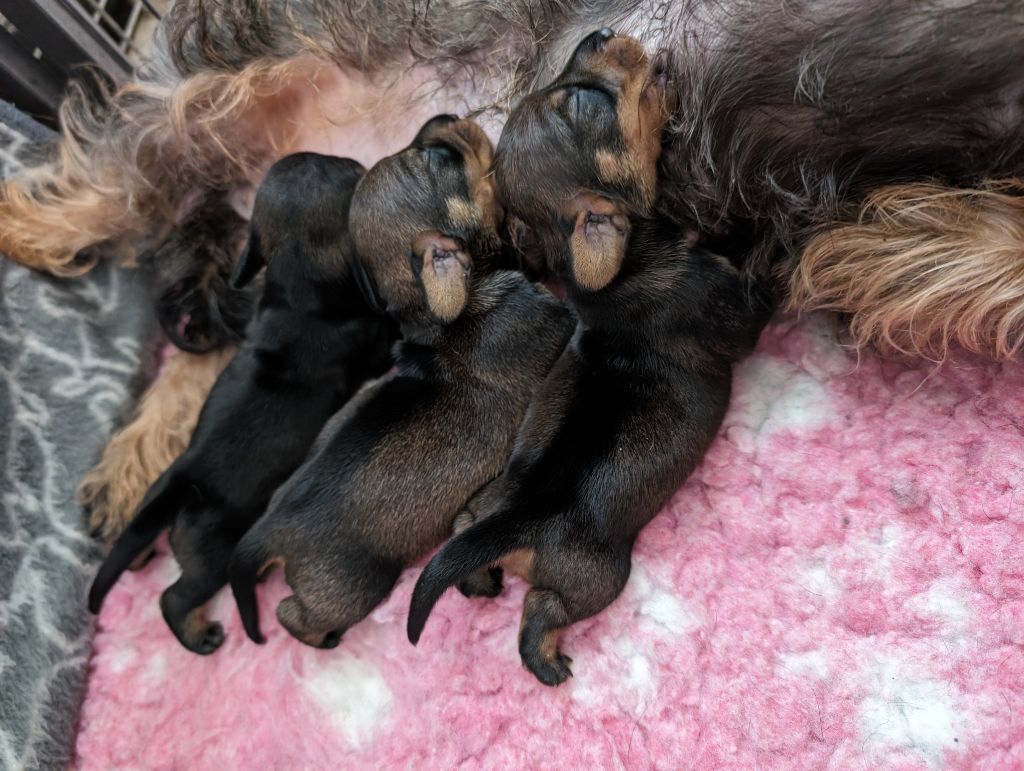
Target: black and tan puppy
(640,391)
(313,342)
(390,472)
(196,304)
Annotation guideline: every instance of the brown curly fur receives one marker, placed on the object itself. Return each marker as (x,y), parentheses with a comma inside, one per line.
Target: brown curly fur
(922,268)
(123,167)
(159,431)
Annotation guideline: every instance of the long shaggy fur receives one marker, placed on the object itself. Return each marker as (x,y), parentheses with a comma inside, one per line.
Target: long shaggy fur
(924,267)
(158,433)
(123,168)
(791,111)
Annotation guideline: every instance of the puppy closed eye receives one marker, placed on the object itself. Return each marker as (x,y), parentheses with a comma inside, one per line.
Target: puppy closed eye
(581,100)
(440,155)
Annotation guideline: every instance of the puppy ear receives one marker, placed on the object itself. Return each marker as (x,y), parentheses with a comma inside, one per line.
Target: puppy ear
(249,263)
(597,245)
(432,125)
(367,285)
(443,266)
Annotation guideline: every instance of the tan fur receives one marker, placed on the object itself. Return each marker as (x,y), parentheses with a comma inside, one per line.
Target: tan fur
(923,268)
(196,625)
(159,431)
(613,168)
(549,647)
(446,295)
(642,114)
(463,213)
(594,263)
(597,255)
(520,563)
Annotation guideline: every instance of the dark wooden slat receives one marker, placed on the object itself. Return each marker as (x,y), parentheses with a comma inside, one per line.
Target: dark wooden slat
(30,84)
(66,35)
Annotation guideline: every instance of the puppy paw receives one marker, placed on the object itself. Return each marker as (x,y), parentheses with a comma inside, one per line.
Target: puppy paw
(209,640)
(299,623)
(482,583)
(192,629)
(553,671)
(331,640)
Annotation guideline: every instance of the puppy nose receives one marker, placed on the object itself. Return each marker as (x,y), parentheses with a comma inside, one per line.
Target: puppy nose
(595,40)
(591,44)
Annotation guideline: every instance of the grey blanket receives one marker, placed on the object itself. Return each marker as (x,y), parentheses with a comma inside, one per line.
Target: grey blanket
(70,358)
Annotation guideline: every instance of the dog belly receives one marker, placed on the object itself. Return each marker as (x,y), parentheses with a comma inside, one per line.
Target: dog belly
(367,117)
(355,116)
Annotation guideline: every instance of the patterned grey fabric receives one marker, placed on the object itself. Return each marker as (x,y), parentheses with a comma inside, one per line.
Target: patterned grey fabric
(70,356)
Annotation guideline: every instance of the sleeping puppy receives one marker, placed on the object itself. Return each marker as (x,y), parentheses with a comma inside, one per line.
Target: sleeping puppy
(390,472)
(313,342)
(197,307)
(640,391)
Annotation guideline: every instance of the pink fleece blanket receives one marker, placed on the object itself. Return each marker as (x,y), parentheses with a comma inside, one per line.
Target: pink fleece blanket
(839,585)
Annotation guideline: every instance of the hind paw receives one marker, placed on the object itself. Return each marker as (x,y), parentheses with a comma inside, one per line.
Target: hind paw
(208,641)
(482,583)
(553,671)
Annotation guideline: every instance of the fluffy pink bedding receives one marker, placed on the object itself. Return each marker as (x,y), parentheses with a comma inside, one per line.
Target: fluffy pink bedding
(839,585)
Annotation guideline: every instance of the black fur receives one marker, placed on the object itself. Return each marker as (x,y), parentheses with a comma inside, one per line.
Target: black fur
(313,342)
(619,424)
(389,473)
(629,409)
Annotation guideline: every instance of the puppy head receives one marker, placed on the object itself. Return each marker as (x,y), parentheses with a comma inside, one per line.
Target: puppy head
(196,305)
(423,220)
(299,227)
(579,157)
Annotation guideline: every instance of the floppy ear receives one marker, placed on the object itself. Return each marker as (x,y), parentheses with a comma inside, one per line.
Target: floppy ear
(367,285)
(443,266)
(597,245)
(249,263)
(437,122)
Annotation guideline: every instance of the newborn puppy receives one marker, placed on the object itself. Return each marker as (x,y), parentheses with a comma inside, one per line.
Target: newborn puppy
(391,470)
(311,345)
(640,391)
(196,305)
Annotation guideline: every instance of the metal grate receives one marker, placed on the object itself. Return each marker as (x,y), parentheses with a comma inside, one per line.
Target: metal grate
(128,24)
(42,42)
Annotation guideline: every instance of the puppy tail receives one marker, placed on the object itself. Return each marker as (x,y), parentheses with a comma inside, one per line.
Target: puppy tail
(157,511)
(249,558)
(483,543)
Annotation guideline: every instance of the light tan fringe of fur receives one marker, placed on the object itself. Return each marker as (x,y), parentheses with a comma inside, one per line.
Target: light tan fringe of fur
(123,166)
(923,268)
(159,431)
